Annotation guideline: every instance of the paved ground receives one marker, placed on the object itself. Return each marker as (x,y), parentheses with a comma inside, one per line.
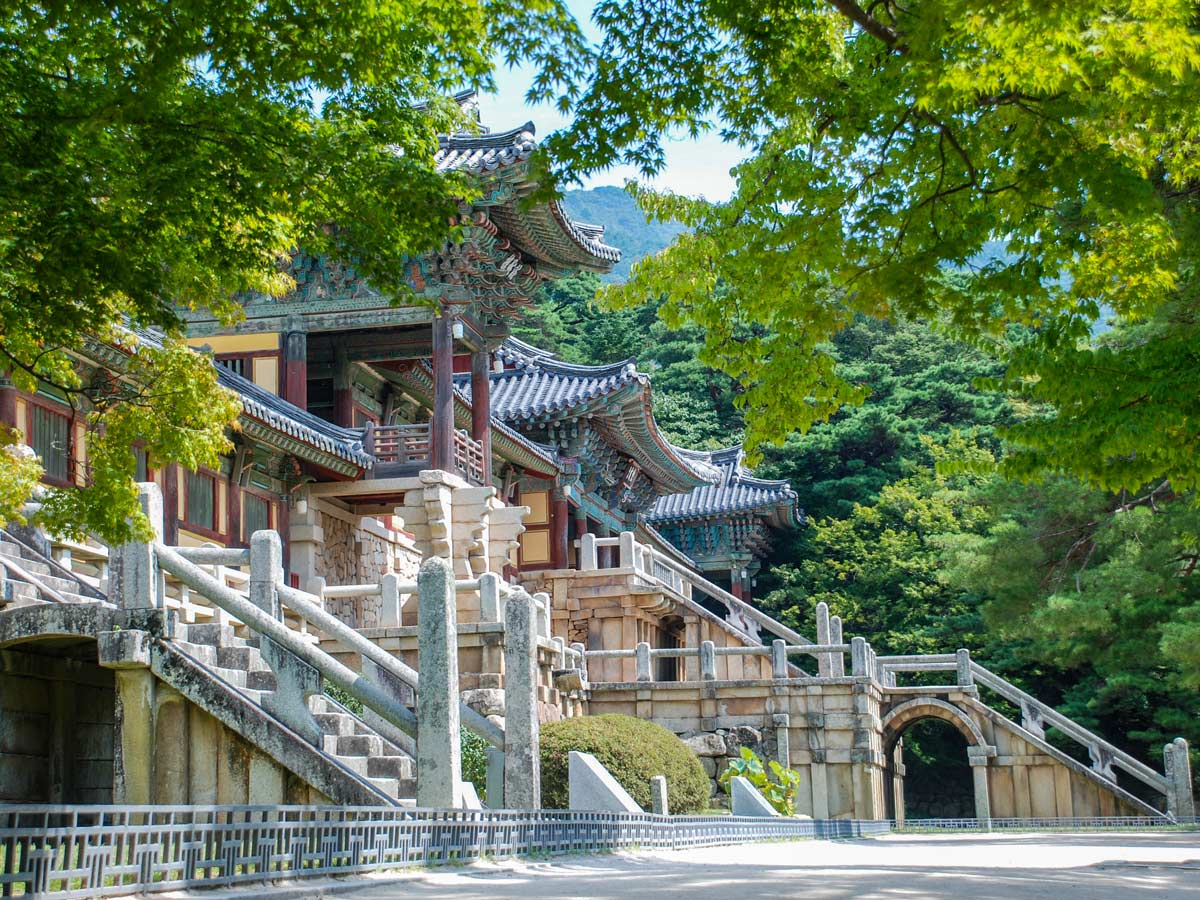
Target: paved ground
(897,867)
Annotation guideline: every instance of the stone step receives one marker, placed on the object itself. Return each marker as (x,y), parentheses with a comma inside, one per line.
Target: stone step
(390,767)
(32,566)
(200,652)
(335,724)
(8,548)
(240,657)
(214,634)
(360,745)
(356,764)
(235,677)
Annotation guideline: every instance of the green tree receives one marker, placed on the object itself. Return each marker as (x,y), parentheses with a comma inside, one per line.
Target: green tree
(154,156)
(889,142)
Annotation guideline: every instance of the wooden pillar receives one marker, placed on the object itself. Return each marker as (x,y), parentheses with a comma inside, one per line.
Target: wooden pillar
(606,553)
(171,478)
(443,394)
(343,391)
(481,408)
(735,583)
(295,368)
(560,523)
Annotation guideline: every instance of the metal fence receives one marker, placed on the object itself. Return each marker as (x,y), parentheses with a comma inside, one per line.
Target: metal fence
(97,851)
(1079,823)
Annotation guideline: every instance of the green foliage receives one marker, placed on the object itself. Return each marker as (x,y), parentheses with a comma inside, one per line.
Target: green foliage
(633,750)
(474,761)
(153,158)
(343,697)
(890,143)
(779,786)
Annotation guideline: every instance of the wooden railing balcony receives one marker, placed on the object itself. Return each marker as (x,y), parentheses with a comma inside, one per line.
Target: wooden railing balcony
(401,450)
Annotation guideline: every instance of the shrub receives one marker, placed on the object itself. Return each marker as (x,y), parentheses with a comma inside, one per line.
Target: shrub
(633,750)
(780,793)
(474,761)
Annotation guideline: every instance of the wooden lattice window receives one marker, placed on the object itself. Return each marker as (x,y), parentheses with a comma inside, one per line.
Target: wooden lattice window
(50,438)
(200,506)
(256,515)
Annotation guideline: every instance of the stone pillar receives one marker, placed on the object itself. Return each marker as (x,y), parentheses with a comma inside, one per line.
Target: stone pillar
(858,656)
(295,368)
(1031,719)
(133,750)
(779,660)
(643,662)
(560,526)
(837,663)
(627,555)
(489,597)
(658,796)
(439,764)
(1181,801)
(522,762)
(783,744)
(708,661)
(979,779)
(898,773)
(137,583)
(266,571)
(389,601)
(824,660)
(443,394)
(962,660)
(589,560)
(581,658)
(481,408)
(542,601)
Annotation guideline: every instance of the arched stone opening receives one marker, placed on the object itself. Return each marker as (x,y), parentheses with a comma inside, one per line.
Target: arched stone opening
(941,773)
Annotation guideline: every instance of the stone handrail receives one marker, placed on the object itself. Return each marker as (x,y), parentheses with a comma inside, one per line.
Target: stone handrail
(1071,729)
(1035,714)
(829,655)
(646,559)
(264,623)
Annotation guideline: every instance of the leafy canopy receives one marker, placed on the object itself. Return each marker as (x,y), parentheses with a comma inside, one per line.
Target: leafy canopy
(160,155)
(889,144)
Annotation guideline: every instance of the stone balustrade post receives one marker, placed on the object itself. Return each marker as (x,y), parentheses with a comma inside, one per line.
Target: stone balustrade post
(439,762)
(1181,802)
(560,652)
(658,796)
(824,660)
(588,561)
(979,781)
(489,598)
(389,601)
(643,662)
(708,661)
(1031,719)
(837,665)
(582,657)
(543,602)
(522,761)
(783,750)
(627,549)
(266,572)
(962,663)
(779,660)
(138,583)
(858,656)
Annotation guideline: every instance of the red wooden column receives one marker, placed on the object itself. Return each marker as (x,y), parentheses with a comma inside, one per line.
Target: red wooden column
(343,391)
(560,523)
(481,407)
(735,582)
(443,394)
(295,368)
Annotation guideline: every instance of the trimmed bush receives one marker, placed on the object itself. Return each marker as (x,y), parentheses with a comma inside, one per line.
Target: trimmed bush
(633,750)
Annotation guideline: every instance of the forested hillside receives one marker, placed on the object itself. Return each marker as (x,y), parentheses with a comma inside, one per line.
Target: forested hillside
(1085,598)
(625,225)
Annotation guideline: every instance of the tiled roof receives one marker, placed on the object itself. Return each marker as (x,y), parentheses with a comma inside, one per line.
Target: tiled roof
(491,152)
(735,491)
(282,416)
(261,404)
(541,388)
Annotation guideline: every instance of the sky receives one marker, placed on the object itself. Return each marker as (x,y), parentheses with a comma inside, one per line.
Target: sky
(694,167)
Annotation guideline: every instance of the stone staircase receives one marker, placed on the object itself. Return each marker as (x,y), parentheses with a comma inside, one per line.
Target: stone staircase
(29,579)
(41,578)
(345,737)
